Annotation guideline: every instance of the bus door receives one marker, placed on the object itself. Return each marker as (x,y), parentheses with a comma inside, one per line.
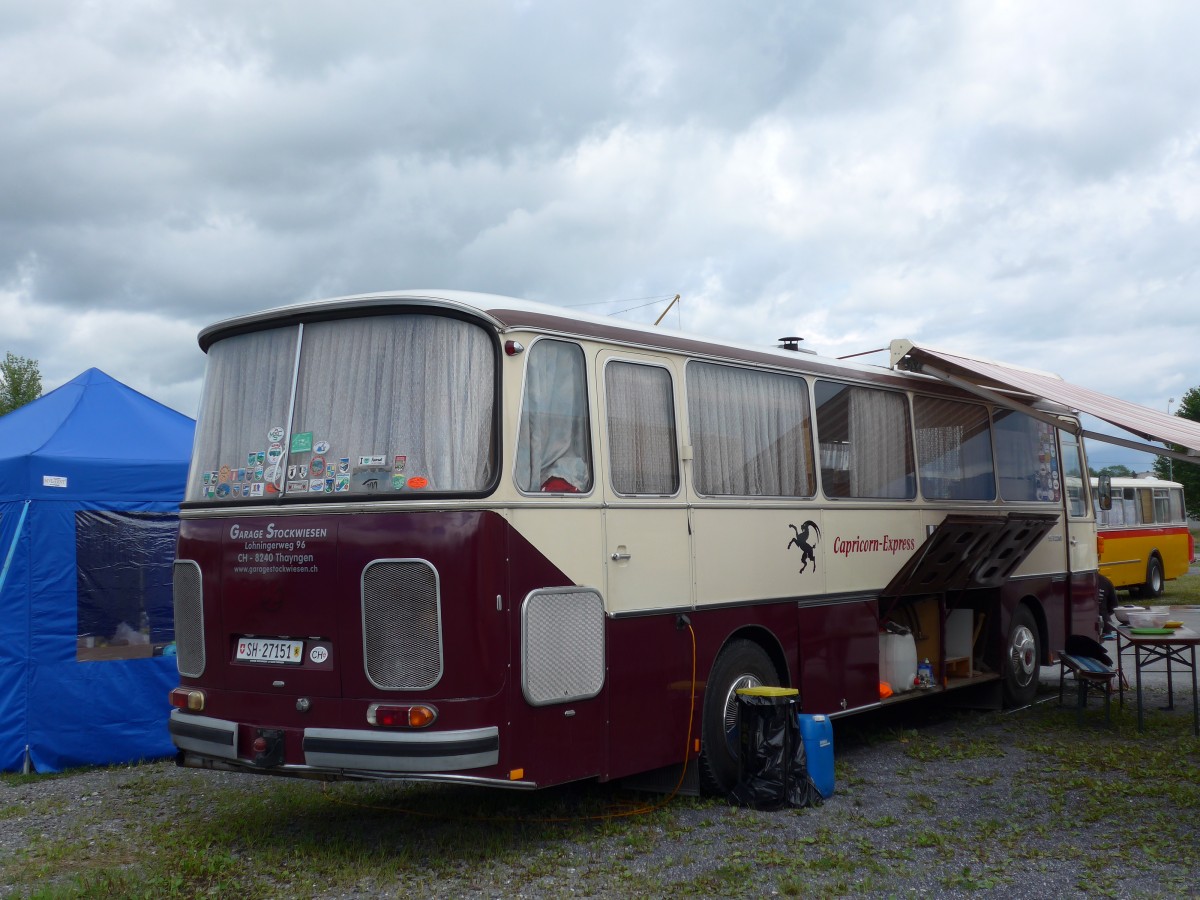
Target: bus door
(1081,556)
(647,551)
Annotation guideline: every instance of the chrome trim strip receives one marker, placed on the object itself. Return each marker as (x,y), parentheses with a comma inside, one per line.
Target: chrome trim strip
(203,734)
(378,751)
(289,770)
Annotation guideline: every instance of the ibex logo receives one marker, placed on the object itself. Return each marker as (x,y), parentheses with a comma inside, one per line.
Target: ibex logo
(801,540)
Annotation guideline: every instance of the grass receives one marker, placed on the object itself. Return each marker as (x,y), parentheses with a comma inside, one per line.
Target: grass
(1182,591)
(257,836)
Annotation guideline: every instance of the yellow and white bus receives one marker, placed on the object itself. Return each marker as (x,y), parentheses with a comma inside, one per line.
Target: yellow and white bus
(1143,540)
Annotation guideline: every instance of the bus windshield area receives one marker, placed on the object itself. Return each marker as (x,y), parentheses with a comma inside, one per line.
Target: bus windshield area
(395,405)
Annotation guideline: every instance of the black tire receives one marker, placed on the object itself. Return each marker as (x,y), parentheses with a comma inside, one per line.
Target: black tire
(741,664)
(1155,584)
(1022,659)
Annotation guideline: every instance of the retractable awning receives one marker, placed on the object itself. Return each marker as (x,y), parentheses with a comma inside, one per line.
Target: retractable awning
(997,382)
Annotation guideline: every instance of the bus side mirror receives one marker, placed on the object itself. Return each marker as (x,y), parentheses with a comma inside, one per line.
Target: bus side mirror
(1105,491)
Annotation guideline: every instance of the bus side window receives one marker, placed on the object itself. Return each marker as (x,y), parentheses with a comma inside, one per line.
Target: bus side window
(954,450)
(751,432)
(1026,457)
(643,455)
(1162,506)
(1146,502)
(1177,505)
(866,442)
(1072,463)
(554,439)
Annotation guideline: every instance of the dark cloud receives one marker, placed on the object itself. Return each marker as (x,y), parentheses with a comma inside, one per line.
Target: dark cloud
(998,179)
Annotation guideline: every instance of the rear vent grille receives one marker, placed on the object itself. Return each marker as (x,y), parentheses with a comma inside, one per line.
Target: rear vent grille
(189,619)
(562,645)
(402,624)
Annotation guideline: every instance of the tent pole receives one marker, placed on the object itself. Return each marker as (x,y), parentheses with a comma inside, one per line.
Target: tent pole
(12,548)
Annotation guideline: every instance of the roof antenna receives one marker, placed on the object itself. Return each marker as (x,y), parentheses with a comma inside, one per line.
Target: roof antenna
(790,343)
(667,310)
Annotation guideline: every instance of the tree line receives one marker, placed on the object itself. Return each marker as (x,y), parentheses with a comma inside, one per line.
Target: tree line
(20,382)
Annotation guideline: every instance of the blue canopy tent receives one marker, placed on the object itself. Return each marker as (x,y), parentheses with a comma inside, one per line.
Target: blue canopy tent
(91,477)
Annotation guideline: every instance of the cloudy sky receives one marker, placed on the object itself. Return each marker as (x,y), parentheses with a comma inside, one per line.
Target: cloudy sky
(1019,181)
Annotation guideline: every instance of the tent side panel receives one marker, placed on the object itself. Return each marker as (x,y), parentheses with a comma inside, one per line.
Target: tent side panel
(14,632)
(100,713)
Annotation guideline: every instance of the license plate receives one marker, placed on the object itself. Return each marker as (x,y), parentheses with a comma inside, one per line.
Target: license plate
(270,650)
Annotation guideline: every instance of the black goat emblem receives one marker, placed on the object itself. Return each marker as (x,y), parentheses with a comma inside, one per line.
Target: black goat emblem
(801,540)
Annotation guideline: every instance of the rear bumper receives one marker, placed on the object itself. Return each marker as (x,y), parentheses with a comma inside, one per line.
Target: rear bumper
(351,749)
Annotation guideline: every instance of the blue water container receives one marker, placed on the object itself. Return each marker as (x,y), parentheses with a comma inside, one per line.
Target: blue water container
(817,733)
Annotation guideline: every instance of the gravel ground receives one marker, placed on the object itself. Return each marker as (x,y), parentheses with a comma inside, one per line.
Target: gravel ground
(933,804)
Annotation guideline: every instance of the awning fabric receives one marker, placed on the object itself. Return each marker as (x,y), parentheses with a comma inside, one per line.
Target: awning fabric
(988,378)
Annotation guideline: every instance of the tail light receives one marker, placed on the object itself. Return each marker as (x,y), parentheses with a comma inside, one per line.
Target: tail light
(385,715)
(185,698)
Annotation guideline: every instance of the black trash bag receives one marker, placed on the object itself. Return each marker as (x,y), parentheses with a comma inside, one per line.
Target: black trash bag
(772,770)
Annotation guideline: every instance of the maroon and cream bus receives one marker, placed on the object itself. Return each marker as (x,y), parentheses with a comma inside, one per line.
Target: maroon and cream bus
(459,537)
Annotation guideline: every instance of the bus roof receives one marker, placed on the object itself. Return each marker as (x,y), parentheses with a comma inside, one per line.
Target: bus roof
(510,313)
(1122,482)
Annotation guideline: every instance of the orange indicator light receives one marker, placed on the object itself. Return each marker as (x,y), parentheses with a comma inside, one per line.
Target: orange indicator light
(183,698)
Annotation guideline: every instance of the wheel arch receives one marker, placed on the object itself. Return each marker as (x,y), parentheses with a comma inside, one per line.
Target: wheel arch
(770,644)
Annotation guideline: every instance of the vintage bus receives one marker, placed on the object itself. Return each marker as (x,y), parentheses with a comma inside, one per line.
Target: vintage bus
(1143,539)
(460,537)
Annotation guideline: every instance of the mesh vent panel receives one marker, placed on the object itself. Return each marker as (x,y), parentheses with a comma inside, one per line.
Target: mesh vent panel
(189,618)
(562,646)
(402,624)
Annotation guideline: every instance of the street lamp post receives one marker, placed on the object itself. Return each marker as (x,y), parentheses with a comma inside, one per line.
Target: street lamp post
(1170,461)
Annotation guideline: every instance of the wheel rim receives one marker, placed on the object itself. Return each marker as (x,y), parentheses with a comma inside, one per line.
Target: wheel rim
(1022,655)
(1156,579)
(731,710)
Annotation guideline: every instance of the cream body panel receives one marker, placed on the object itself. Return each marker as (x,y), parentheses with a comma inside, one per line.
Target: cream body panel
(572,538)
(746,554)
(864,547)
(652,569)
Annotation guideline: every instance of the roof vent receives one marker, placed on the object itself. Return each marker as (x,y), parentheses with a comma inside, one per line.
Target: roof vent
(790,343)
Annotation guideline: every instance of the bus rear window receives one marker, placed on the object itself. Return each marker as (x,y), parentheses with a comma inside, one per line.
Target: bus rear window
(390,405)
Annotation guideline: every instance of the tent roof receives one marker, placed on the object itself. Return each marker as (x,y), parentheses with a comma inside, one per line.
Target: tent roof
(987,378)
(107,440)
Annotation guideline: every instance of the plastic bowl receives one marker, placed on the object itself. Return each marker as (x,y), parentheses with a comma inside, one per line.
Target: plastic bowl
(1122,613)
(1148,619)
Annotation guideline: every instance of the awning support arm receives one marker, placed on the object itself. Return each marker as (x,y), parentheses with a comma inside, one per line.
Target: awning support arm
(993,396)
(1137,445)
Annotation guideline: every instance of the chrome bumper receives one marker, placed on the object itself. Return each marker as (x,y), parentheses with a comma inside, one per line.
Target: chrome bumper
(352,749)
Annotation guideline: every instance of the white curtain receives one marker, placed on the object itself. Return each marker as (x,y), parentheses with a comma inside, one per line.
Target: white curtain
(750,432)
(880,459)
(641,429)
(413,386)
(553,436)
(866,442)
(954,450)
(247,387)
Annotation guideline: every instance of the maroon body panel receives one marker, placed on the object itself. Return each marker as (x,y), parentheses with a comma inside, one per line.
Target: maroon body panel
(839,652)
(300,577)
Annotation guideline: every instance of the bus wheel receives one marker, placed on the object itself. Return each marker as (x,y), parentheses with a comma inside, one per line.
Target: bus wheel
(1154,585)
(1023,659)
(742,664)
